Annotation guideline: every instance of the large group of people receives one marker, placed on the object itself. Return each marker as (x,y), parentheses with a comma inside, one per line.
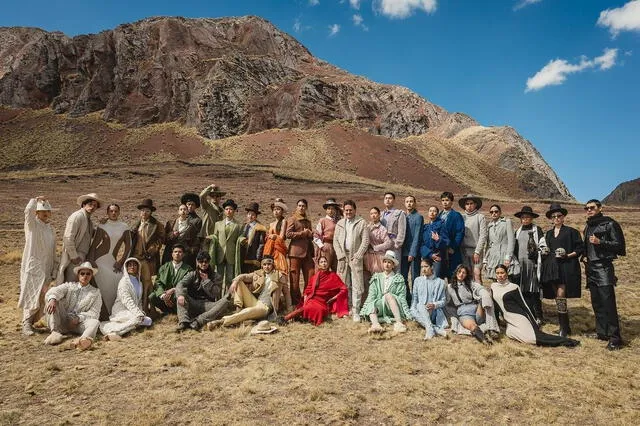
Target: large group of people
(399,266)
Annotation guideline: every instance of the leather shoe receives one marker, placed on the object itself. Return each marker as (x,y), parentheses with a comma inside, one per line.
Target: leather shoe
(182,327)
(595,336)
(195,325)
(614,346)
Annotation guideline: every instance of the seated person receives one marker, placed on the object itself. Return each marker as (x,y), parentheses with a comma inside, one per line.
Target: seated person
(198,296)
(427,303)
(127,312)
(257,294)
(325,294)
(163,296)
(521,323)
(74,307)
(387,298)
(472,307)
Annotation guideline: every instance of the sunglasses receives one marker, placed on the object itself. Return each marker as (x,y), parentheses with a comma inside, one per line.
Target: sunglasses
(556,216)
(494,211)
(84,274)
(589,208)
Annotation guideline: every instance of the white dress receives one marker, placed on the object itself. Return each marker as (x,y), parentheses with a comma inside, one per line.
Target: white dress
(38,259)
(112,234)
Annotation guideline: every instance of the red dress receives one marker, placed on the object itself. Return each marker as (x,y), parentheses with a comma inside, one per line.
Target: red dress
(322,286)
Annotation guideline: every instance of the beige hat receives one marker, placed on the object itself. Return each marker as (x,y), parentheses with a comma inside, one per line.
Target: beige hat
(88,197)
(279,202)
(43,206)
(391,255)
(264,327)
(85,265)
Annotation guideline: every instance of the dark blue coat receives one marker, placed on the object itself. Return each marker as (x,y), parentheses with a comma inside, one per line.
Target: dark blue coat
(429,246)
(412,242)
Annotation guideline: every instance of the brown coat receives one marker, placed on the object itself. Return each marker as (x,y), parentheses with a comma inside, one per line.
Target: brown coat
(148,250)
(300,232)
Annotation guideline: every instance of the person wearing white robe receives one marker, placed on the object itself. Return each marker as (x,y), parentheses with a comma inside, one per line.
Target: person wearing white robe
(39,266)
(127,313)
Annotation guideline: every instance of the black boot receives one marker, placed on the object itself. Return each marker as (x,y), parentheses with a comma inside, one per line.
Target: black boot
(480,337)
(563,320)
(537,307)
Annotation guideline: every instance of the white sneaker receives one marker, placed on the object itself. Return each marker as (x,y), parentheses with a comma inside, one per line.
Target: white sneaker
(54,338)
(376,328)
(356,317)
(428,336)
(399,327)
(27,328)
(440,332)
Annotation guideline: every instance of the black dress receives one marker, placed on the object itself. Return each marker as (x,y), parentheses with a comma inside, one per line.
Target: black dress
(562,270)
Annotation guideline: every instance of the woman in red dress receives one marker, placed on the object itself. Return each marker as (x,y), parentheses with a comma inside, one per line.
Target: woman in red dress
(324,295)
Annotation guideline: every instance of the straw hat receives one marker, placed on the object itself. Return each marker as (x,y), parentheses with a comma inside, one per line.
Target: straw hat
(85,265)
(88,197)
(391,255)
(43,206)
(264,327)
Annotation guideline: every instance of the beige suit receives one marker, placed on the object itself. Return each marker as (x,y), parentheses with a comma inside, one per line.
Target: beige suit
(350,256)
(76,242)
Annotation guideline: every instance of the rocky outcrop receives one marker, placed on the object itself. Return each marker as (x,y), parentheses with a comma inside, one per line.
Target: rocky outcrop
(627,193)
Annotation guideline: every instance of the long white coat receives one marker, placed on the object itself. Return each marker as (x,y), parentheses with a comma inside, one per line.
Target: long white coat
(127,311)
(38,265)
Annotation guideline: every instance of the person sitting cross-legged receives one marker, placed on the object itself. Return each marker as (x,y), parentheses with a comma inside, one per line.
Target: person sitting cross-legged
(429,298)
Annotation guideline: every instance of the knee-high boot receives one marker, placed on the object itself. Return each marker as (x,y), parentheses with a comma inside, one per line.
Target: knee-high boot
(563,317)
(538,308)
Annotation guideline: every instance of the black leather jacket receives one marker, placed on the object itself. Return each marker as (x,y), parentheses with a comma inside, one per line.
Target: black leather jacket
(609,232)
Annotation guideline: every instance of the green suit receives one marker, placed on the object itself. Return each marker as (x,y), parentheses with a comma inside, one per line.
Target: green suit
(224,249)
(167,279)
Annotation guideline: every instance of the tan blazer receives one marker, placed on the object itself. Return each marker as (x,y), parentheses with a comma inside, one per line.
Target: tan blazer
(300,232)
(76,240)
(279,286)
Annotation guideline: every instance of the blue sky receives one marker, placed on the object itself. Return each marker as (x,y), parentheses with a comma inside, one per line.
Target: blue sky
(563,73)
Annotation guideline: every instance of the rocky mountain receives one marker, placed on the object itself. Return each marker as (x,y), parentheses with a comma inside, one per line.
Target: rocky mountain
(234,76)
(627,193)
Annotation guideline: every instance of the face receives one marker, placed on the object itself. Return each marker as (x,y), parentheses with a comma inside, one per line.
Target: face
(177,254)
(203,265)
(229,212)
(425,269)
(470,206)
(323,263)
(433,213)
(494,212)
(331,211)
(113,212)
(145,214)
(183,210)
(501,274)
(43,215)
(374,215)
(461,275)
(301,208)
(592,209)
(349,211)
(251,217)
(388,201)
(84,276)
(557,218)
(191,206)
(277,212)
(132,268)
(526,219)
(91,206)
(267,267)
(446,203)
(410,203)
(215,199)
(387,265)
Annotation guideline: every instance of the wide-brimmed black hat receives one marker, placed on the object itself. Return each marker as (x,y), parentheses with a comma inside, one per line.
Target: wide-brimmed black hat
(231,203)
(462,201)
(331,202)
(555,207)
(147,203)
(526,210)
(253,207)
(190,196)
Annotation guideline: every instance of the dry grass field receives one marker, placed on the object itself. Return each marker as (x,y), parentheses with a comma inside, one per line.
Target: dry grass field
(334,373)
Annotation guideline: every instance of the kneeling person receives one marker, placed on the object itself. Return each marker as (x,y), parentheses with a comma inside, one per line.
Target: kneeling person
(429,298)
(74,307)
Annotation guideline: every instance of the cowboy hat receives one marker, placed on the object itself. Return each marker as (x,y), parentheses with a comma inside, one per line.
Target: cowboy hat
(279,202)
(555,207)
(264,327)
(231,203)
(190,196)
(526,210)
(253,207)
(147,203)
(462,201)
(214,191)
(391,255)
(89,197)
(43,206)
(85,265)
(331,202)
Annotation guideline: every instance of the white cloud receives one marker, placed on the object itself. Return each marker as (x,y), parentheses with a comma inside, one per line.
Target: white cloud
(355,4)
(625,18)
(524,3)
(297,25)
(400,9)
(358,21)
(334,29)
(314,2)
(557,70)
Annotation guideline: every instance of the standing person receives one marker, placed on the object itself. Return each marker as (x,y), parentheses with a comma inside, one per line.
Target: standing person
(427,303)
(148,237)
(410,248)
(163,296)
(475,234)
(275,245)
(225,248)
(395,220)
(561,275)
(210,202)
(435,242)
(38,267)
(454,227)
(323,234)
(110,236)
(192,201)
(500,244)
(604,242)
(529,243)
(255,235)
(76,240)
(350,243)
(74,306)
(182,230)
(379,243)
(300,249)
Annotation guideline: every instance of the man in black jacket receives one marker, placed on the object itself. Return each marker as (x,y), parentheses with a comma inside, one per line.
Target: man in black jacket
(604,242)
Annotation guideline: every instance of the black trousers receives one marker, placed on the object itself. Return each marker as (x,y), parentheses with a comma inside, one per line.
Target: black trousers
(603,301)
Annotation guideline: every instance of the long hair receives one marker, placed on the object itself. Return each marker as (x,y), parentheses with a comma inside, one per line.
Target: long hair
(467,278)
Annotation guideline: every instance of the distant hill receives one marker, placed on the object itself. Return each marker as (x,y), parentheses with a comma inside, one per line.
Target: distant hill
(627,193)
